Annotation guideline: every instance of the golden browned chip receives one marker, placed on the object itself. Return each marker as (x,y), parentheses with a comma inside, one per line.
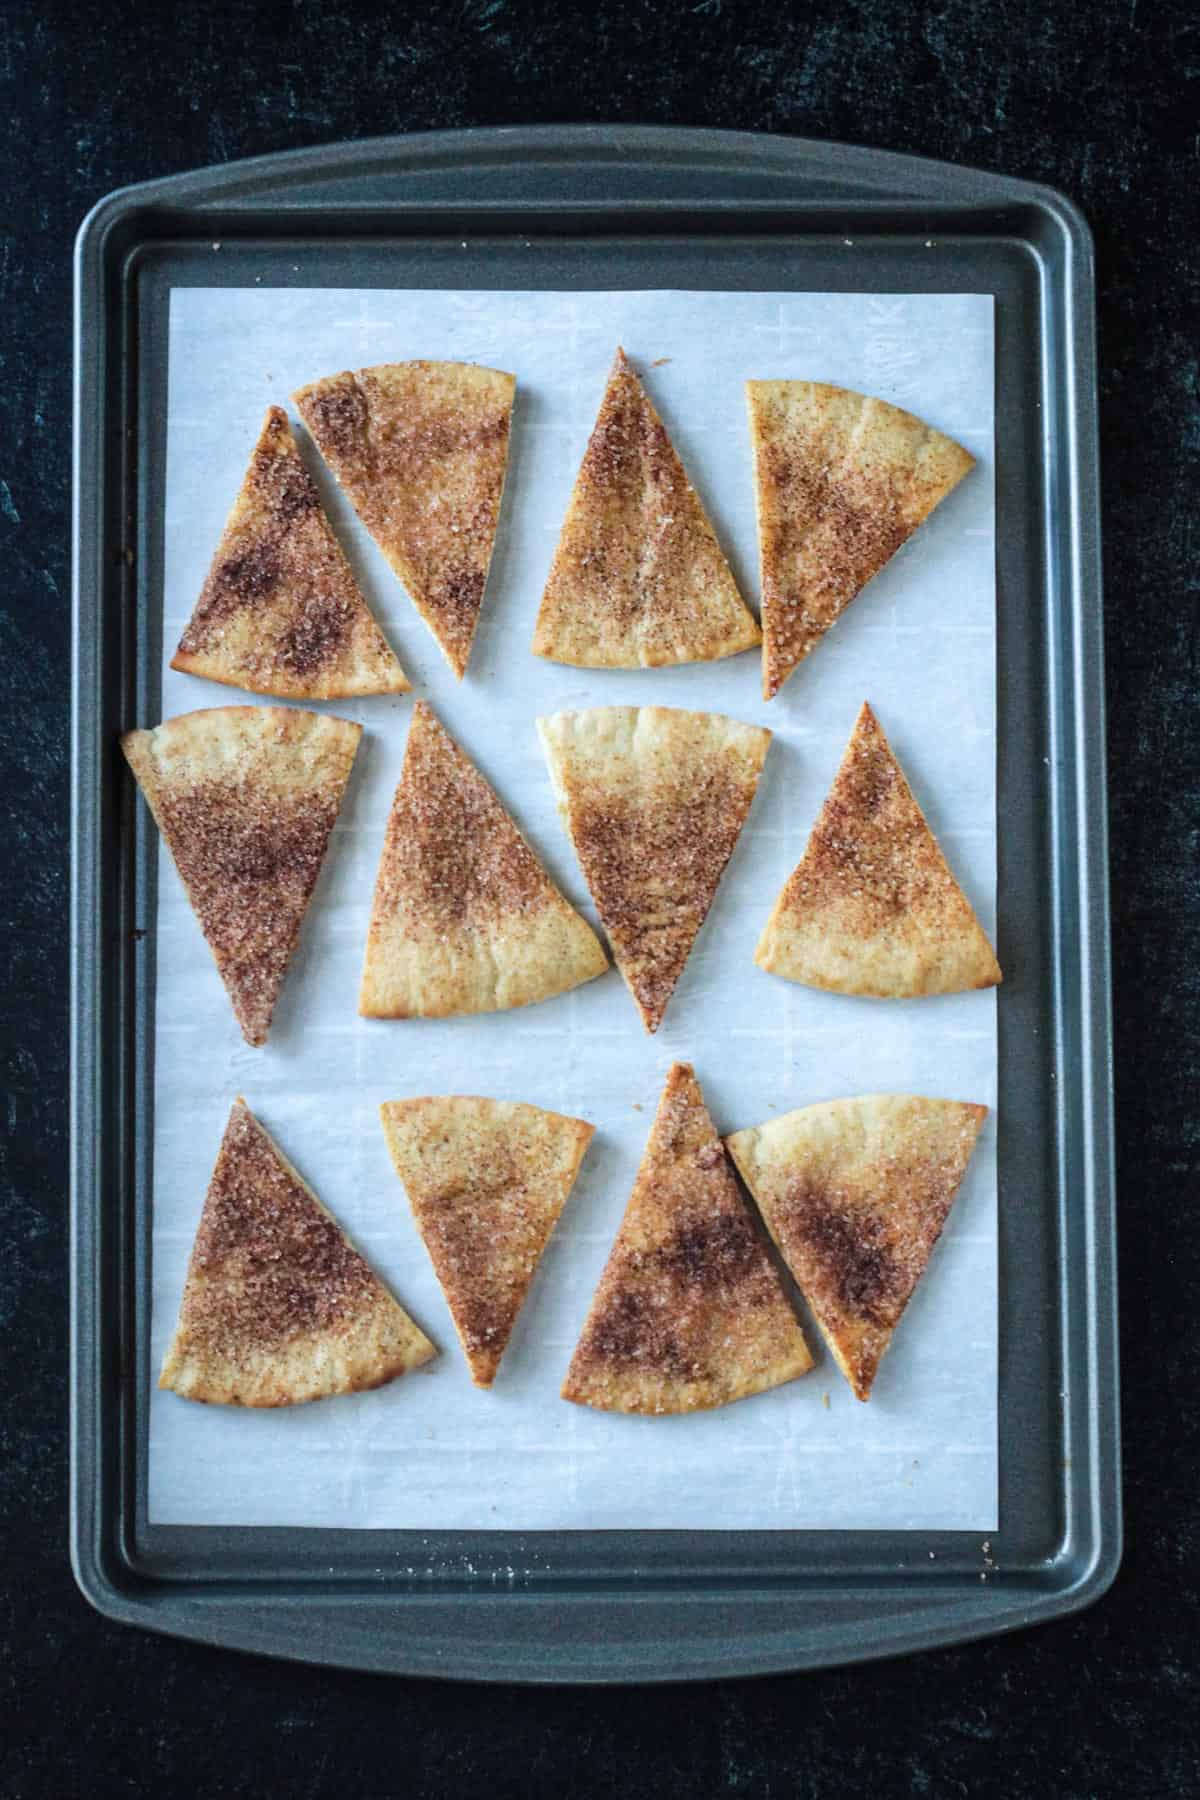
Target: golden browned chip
(841,482)
(246,798)
(487,1180)
(465,918)
(421,449)
(690,1312)
(872,907)
(638,579)
(280,612)
(278,1305)
(654,800)
(855,1194)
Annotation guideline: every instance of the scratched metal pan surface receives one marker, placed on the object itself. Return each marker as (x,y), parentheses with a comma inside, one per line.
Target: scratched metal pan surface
(609,208)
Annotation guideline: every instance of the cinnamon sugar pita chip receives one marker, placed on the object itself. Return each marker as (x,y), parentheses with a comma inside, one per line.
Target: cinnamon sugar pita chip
(421,449)
(855,1194)
(872,907)
(654,799)
(638,579)
(246,798)
(278,1306)
(689,1312)
(465,918)
(487,1181)
(280,612)
(841,481)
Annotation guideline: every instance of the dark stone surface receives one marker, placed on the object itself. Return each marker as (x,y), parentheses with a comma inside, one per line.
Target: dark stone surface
(1104,102)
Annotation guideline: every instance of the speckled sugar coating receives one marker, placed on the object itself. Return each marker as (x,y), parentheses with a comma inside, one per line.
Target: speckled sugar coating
(655,800)
(843,479)
(280,612)
(638,579)
(279,1307)
(245,799)
(464,918)
(487,1181)
(872,906)
(690,1312)
(923,1453)
(856,1194)
(421,448)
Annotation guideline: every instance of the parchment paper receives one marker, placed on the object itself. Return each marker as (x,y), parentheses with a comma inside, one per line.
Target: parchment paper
(430,1450)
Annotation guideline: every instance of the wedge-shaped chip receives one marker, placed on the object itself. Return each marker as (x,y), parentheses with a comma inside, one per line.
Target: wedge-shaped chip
(842,481)
(690,1312)
(421,449)
(246,798)
(872,907)
(855,1194)
(654,800)
(487,1180)
(465,918)
(278,1305)
(638,579)
(280,612)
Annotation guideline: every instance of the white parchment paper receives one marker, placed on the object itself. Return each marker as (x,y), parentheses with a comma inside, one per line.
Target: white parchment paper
(430,1450)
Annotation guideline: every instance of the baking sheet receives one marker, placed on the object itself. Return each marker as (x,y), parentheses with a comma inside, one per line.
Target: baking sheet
(431,1451)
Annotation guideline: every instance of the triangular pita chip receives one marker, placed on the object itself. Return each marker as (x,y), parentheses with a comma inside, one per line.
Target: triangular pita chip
(841,481)
(278,1305)
(654,800)
(690,1311)
(246,798)
(872,907)
(487,1180)
(421,448)
(638,579)
(280,612)
(855,1194)
(465,918)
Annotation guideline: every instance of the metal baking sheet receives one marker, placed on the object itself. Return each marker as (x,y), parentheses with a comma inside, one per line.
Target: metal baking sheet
(587,209)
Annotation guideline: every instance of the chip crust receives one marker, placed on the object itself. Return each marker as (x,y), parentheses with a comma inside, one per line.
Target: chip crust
(638,579)
(280,611)
(246,798)
(465,918)
(689,1312)
(841,481)
(487,1181)
(278,1306)
(421,449)
(872,907)
(654,800)
(855,1194)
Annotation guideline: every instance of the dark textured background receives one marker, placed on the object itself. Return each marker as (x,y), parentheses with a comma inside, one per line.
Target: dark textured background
(1104,102)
